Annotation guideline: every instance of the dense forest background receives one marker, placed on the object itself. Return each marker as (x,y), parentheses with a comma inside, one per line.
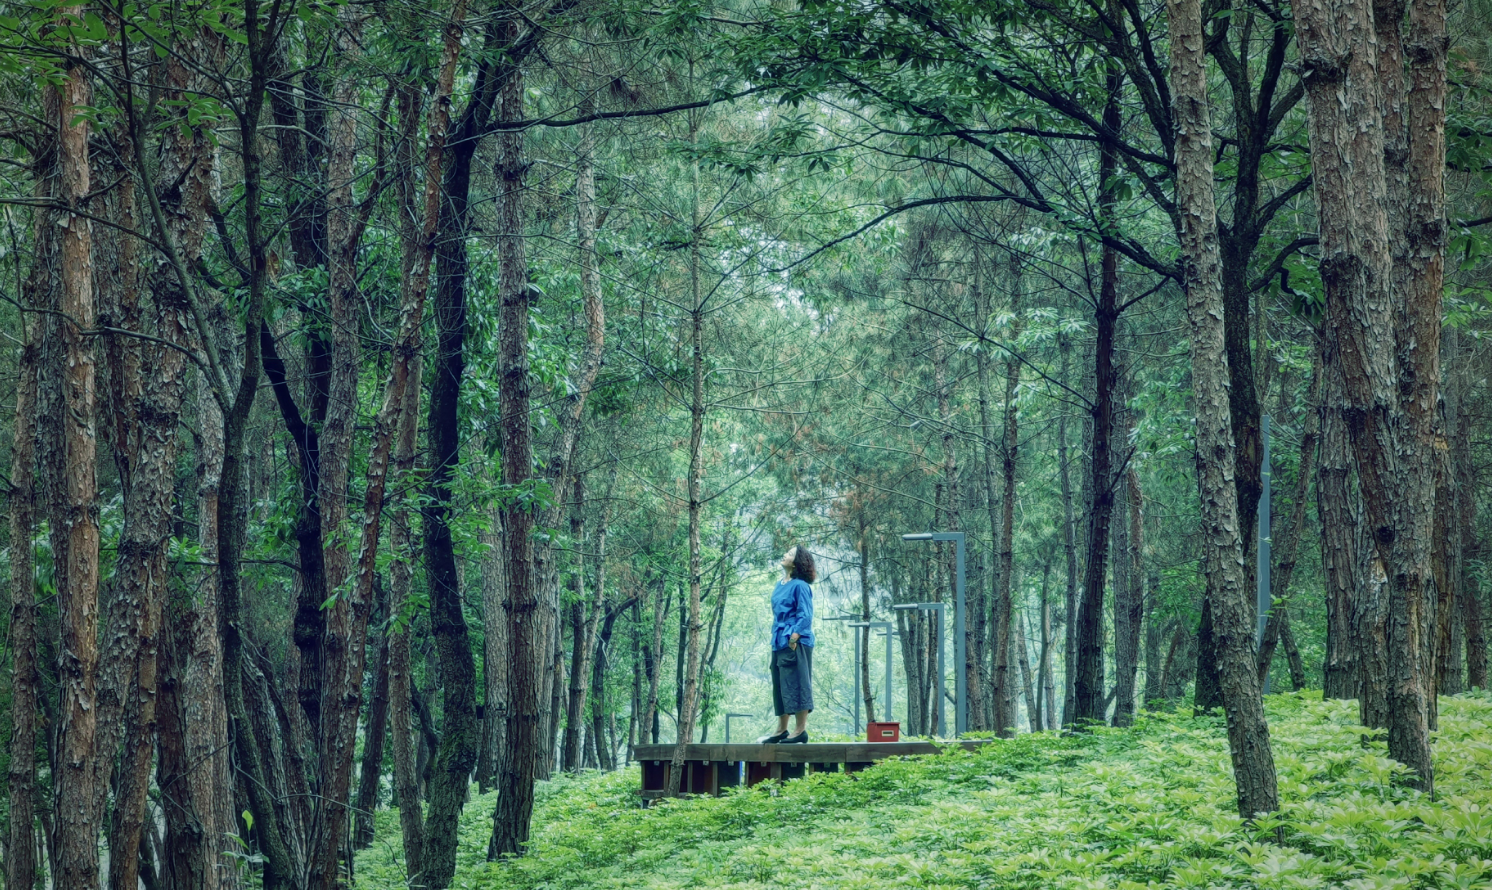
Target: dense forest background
(412,397)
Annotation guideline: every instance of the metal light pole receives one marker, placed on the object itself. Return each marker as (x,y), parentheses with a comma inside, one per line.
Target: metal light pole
(1264,598)
(890,634)
(887,626)
(727,724)
(856,678)
(942,729)
(960,673)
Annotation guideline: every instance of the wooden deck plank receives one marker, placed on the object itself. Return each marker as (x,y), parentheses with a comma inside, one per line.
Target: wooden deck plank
(813,752)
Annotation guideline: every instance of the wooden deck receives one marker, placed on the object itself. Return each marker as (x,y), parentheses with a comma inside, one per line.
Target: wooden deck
(709,769)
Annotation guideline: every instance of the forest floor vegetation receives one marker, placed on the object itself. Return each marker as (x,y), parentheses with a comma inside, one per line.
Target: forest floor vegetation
(1148,806)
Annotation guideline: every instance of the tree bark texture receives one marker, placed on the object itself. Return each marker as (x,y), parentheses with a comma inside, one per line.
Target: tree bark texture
(1248,733)
(1130,614)
(1370,215)
(1005,717)
(1069,552)
(689,655)
(1088,681)
(1340,562)
(400,666)
(375,729)
(515,785)
(74,517)
(494,654)
(20,857)
(1288,537)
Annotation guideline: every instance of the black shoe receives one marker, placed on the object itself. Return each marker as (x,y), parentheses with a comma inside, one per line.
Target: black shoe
(798,739)
(772,739)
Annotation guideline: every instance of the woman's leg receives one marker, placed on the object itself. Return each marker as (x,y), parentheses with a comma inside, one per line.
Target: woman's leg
(777,703)
(802,723)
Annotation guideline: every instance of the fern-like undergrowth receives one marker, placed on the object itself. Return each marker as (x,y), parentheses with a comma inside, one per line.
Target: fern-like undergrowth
(1146,807)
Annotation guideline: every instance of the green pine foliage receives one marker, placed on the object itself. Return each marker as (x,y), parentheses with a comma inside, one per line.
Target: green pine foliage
(1150,806)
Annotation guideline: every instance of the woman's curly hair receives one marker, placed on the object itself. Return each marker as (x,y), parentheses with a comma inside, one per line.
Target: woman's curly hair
(803,568)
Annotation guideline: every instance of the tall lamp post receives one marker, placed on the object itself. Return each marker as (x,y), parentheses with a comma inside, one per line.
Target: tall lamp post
(942,728)
(856,673)
(890,633)
(887,626)
(727,724)
(960,673)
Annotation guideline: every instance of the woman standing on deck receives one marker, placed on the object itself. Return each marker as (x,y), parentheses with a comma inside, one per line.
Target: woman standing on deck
(792,645)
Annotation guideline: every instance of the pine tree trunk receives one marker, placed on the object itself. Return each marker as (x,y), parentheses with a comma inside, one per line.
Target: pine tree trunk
(1471,554)
(494,654)
(20,850)
(1340,565)
(375,732)
(1029,683)
(348,615)
(1069,551)
(1005,716)
(864,667)
(1127,630)
(1154,640)
(74,522)
(1288,537)
(689,655)
(1248,733)
(1046,701)
(654,661)
(1088,682)
(527,656)
(400,666)
(1380,198)
(987,637)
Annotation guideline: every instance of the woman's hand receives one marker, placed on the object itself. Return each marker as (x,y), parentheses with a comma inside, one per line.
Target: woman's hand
(792,641)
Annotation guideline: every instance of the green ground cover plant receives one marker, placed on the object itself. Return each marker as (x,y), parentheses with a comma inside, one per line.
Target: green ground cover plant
(1150,806)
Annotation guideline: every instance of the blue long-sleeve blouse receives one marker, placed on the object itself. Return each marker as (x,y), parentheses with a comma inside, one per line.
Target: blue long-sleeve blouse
(792,613)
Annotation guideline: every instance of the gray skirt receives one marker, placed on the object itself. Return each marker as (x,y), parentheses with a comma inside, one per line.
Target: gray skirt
(792,680)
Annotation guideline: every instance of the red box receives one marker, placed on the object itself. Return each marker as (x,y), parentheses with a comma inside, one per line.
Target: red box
(883,732)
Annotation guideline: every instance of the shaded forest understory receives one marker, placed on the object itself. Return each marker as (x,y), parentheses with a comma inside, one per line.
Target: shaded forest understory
(1151,807)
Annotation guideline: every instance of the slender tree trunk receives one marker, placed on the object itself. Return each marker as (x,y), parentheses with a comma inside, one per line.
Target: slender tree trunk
(689,702)
(987,637)
(864,666)
(519,765)
(345,310)
(1288,537)
(1154,639)
(1046,703)
(375,730)
(581,634)
(1127,630)
(661,602)
(1088,683)
(1069,551)
(1339,557)
(20,850)
(1449,544)
(1005,716)
(1248,733)
(1292,655)
(127,709)
(1029,684)
(494,654)
(74,522)
(400,667)
(1471,554)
